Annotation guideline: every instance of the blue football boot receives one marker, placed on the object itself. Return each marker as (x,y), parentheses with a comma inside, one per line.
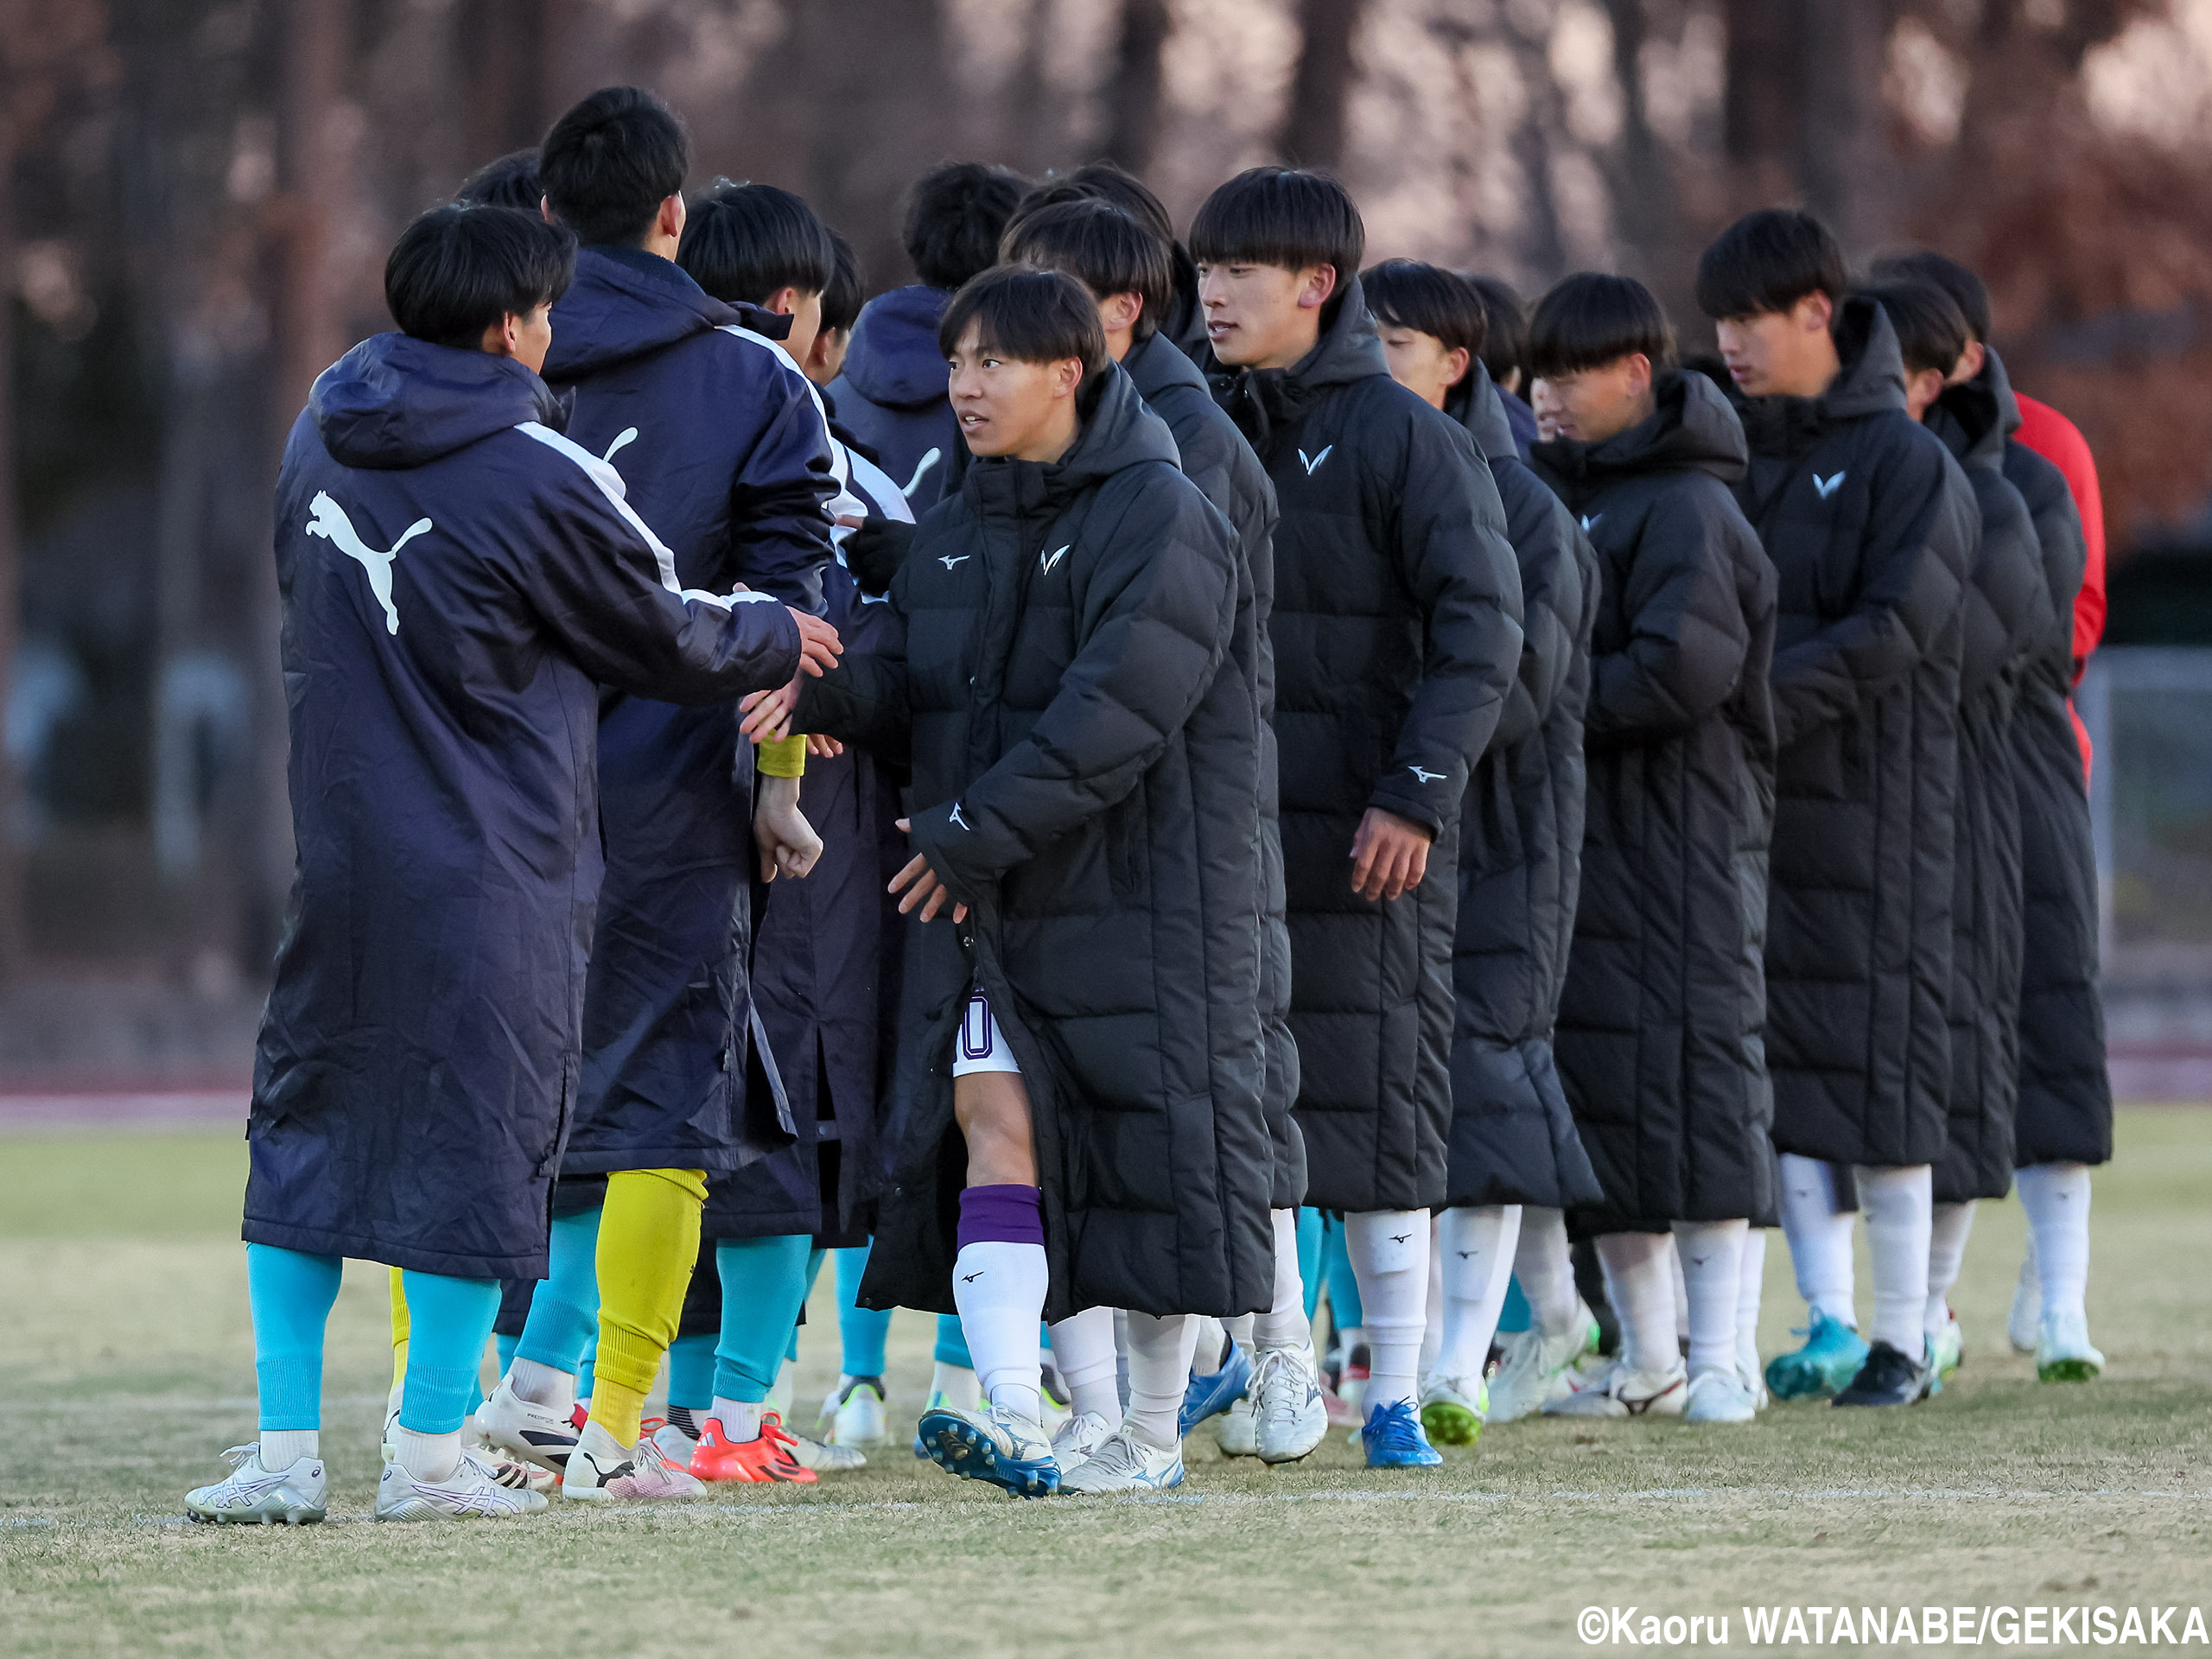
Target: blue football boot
(1833,1354)
(1209,1396)
(1393,1438)
(993,1445)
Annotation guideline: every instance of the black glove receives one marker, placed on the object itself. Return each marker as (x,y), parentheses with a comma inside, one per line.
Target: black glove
(874,551)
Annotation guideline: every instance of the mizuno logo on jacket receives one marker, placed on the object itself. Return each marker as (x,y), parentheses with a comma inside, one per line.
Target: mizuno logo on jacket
(1421,777)
(948,560)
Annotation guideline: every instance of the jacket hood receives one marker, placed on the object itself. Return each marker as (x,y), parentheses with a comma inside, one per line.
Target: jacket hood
(1159,365)
(1870,380)
(394,402)
(1693,429)
(625,302)
(1119,432)
(894,358)
(1262,399)
(1477,404)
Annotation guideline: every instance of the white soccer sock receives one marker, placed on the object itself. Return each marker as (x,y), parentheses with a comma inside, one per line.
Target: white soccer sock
(1285,1324)
(1749,1281)
(1711,1257)
(541,1385)
(1476,1247)
(999,1289)
(1946,1249)
(431,1458)
(740,1418)
(1432,1328)
(1898,1209)
(955,1384)
(1390,1257)
(282,1447)
(1238,1331)
(1819,1234)
(1083,1347)
(1212,1343)
(2056,1199)
(1545,1268)
(1642,1288)
(1159,1366)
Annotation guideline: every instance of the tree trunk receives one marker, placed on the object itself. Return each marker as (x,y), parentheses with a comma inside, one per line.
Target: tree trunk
(11,575)
(1844,167)
(1133,125)
(1320,94)
(1760,104)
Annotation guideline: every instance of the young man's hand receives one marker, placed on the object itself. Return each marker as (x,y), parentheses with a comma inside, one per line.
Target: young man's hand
(819,647)
(768,714)
(1389,855)
(927,889)
(788,844)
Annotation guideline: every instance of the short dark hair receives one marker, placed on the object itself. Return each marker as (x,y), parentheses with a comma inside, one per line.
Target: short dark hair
(955,215)
(847,292)
(1029,315)
(510,181)
(1284,216)
(1105,181)
(457,271)
(1931,330)
(745,241)
(609,164)
(1926,265)
(1505,326)
(1102,247)
(1408,294)
(1768,261)
(1590,319)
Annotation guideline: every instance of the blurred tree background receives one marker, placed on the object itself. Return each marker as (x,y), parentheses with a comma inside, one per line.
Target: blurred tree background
(197,195)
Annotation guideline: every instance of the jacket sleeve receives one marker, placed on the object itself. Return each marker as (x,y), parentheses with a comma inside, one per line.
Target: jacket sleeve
(1453,557)
(864,698)
(1154,617)
(779,518)
(1544,536)
(1919,542)
(1687,640)
(2010,611)
(605,587)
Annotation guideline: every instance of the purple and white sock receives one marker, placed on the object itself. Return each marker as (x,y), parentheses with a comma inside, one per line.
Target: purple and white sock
(999,1282)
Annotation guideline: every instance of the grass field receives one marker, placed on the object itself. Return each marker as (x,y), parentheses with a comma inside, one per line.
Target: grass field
(125,1366)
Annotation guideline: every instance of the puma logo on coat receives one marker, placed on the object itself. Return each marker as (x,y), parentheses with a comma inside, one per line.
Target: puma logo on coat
(330,523)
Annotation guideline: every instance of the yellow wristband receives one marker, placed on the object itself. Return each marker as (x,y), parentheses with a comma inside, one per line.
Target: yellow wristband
(782,757)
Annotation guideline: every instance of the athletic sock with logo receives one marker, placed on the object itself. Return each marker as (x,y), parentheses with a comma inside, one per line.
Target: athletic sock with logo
(1749,1281)
(1083,1348)
(1712,1256)
(1160,1365)
(1898,1211)
(1389,1254)
(1545,1270)
(1946,1249)
(1819,1231)
(2056,1199)
(1640,1285)
(1475,1247)
(999,1282)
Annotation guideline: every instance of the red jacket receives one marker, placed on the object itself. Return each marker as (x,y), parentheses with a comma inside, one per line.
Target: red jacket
(2059,441)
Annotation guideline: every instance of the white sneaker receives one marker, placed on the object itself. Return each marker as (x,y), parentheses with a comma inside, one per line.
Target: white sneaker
(600,1469)
(675,1445)
(1538,1369)
(1125,1464)
(524,1429)
(853,1414)
(2062,1349)
(473,1490)
(1078,1439)
(2022,1326)
(1618,1391)
(297,1495)
(825,1457)
(1237,1431)
(1291,1414)
(1718,1397)
(1748,1366)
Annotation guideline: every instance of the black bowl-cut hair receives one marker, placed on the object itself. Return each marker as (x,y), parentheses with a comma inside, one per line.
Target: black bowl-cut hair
(955,217)
(1284,216)
(510,181)
(1931,329)
(847,290)
(1768,261)
(1102,247)
(1505,326)
(745,241)
(609,164)
(1926,265)
(1408,294)
(1106,182)
(1593,318)
(459,271)
(1029,315)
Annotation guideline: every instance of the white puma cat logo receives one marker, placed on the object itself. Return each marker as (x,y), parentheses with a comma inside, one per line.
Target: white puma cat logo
(628,433)
(330,523)
(929,459)
(1314,465)
(1825,487)
(948,560)
(1046,564)
(1424,777)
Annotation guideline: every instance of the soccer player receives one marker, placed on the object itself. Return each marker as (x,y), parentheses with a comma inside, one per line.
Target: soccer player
(720,441)
(510,181)
(1871,526)
(1059,662)
(1505,354)
(2009,612)
(891,390)
(2064,1111)
(1396,634)
(1128,267)
(458,580)
(1513,1140)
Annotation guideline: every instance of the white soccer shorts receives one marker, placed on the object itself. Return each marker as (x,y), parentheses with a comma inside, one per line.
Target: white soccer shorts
(980,1046)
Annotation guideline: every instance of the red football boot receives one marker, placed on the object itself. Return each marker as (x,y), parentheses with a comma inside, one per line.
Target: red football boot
(769,1458)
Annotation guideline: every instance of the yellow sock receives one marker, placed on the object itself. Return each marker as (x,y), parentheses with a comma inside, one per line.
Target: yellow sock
(400,1327)
(648,1240)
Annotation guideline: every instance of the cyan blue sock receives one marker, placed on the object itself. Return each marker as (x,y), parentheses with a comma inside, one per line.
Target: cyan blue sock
(506,1346)
(564,1323)
(691,1372)
(862,1331)
(587,1365)
(1343,1284)
(291,1293)
(1515,1315)
(449,1321)
(814,1261)
(951,1342)
(764,1286)
(1309,1257)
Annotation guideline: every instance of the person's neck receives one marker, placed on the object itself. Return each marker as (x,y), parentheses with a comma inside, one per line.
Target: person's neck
(1119,342)
(1298,349)
(1815,373)
(1054,441)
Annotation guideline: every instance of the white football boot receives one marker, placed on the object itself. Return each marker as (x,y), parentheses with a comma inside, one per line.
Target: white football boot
(1538,1369)
(1125,1464)
(1618,1391)
(600,1468)
(1290,1413)
(295,1496)
(1076,1439)
(522,1428)
(475,1490)
(1718,1397)
(1237,1431)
